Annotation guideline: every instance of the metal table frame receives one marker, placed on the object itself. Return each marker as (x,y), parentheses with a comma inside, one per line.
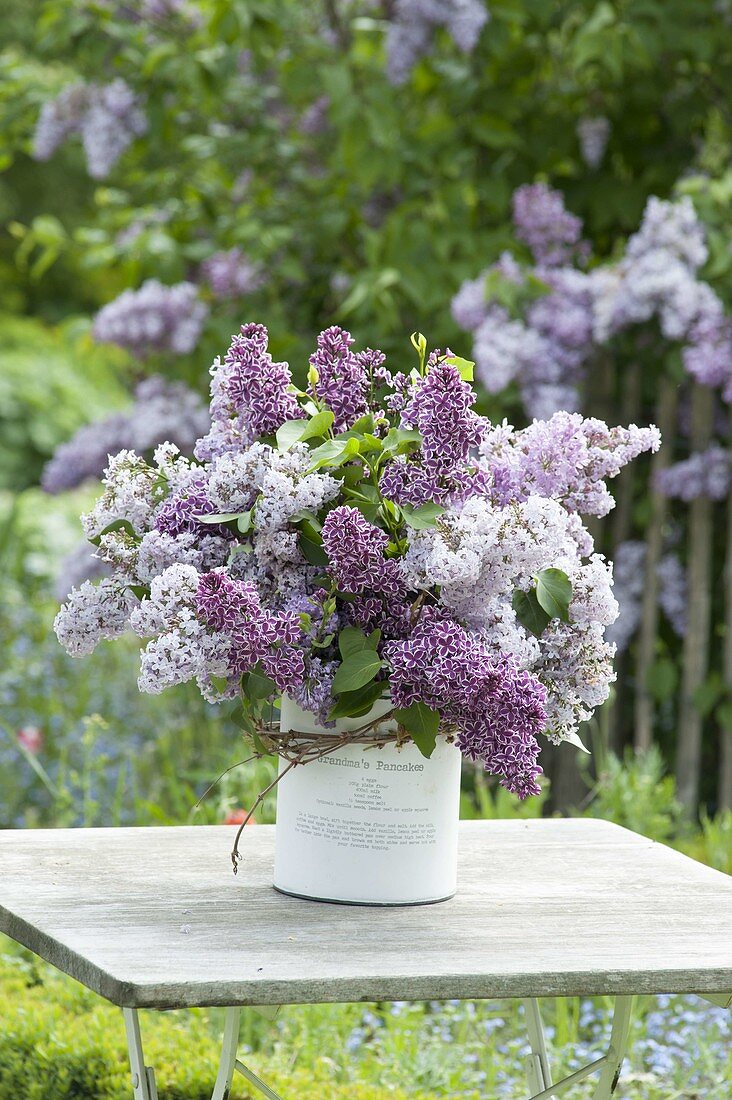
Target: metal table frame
(542,1086)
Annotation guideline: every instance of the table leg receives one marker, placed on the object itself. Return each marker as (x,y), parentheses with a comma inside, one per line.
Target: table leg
(143,1077)
(608,1066)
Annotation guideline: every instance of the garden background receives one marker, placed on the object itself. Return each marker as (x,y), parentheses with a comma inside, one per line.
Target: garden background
(542,187)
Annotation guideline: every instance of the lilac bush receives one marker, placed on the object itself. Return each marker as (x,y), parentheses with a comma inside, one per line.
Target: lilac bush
(413,27)
(369,537)
(543,325)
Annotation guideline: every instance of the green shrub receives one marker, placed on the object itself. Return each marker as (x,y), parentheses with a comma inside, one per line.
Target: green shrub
(52,380)
(58,1041)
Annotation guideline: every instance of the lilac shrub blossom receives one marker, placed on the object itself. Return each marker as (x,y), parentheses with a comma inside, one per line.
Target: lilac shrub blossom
(629,566)
(412,30)
(108,117)
(593,133)
(387,509)
(152,319)
(161,411)
(567,314)
(231,275)
(705,474)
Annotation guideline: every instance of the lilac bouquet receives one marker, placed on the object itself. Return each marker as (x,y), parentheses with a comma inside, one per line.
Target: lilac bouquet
(368,538)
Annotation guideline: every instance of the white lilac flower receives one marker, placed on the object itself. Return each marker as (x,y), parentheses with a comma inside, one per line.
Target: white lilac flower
(593,133)
(91,614)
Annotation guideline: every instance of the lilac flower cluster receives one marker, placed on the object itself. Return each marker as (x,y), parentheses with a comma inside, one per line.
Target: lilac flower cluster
(542,222)
(250,395)
(355,549)
(593,133)
(234,608)
(231,275)
(162,410)
(107,116)
(342,382)
(440,409)
(567,458)
(412,29)
(419,526)
(154,318)
(498,710)
(705,474)
(566,314)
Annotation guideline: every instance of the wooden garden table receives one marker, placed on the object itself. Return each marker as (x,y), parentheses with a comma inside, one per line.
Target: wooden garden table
(154,918)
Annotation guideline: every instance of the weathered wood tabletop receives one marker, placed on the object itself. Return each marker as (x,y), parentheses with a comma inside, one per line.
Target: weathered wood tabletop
(154,918)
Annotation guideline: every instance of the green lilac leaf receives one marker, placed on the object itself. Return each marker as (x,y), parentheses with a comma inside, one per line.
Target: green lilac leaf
(426,515)
(529,611)
(357,671)
(422,723)
(554,593)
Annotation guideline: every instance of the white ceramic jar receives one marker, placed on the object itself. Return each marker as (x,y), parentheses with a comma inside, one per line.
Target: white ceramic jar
(368,826)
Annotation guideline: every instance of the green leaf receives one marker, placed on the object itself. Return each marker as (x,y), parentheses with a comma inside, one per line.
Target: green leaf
(244,522)
(426,515)
(289,433)
(312,550)
(399,440)
(357,671)
(662,679)
(257,685)
(354,704)
(219,517)
(115,525)
(297,431)
(724,715)
(554,593)
(465,367)
(334,452)
(529,611)
(352,640)
(139,590)
(575,739)
(219,682)
(422,723)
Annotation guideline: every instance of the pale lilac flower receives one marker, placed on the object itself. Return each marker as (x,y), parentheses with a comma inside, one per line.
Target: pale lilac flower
(231,275)
(154,318)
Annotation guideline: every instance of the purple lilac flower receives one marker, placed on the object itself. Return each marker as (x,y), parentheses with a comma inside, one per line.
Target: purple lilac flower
(257,634)
(315,694)
(343,381)
(154,318)
(440,409)
(314,120)
(546,226)
(498,709)
(355,549)
(162,411)
(705,474)
(178,514)
(107,116)
(231,275)
(708,353)
(250,395)
(413,26)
